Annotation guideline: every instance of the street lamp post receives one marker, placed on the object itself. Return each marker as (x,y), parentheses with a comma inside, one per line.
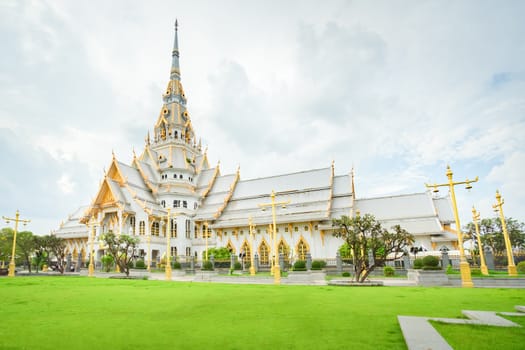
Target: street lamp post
(168,247)
(206,238)
(276,267)
(252,229)
(91,268)
(510,258)
(16,219)
(466,278)
(475,219)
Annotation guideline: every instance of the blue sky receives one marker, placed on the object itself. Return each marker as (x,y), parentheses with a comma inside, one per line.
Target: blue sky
(397,89)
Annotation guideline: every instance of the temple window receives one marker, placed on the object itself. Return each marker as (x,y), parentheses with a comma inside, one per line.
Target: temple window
(173,251)
(180,176)
(132,225)
(296,229)
(155,229)
(188,231)
(264,253)
(176,203)
(173,228)
(188,251)
(142,227)
(163,203)
(174,176)
(286,229)
(306,228)
(302,249)
(184,204)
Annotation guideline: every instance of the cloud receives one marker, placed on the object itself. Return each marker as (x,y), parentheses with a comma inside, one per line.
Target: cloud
(65,184)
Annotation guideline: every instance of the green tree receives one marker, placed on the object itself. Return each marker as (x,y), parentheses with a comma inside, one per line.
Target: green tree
(218,253)
(25,246)
(122,248)
(42,251)
(6,244)
(57,246)
(491,233)
(364,235)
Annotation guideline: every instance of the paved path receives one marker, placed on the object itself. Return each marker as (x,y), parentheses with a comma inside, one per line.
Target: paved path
(420,335)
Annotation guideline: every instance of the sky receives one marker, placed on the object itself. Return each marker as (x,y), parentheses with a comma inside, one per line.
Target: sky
(397,90)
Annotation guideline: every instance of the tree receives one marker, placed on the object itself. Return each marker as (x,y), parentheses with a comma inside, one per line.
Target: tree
(491,233)
(6,243)
(365,237)
(122,248)
(57,246)
(42,251)
(25,244)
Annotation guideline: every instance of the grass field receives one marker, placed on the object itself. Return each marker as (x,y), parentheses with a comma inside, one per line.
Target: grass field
(82,313)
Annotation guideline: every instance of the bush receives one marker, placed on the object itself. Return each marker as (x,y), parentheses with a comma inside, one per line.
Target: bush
(207,266)
(237,265)
(177,265)
(418,263)
(389,271)
(450,270)
(521,267)
(430,261)
(107,262)
(346,274)
(139,264)
(475,272)
(299,265)
(318,264)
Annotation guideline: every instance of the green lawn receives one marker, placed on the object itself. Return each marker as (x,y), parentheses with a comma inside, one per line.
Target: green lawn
(83,313)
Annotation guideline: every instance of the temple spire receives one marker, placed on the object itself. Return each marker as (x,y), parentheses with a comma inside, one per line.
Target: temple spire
(175,68)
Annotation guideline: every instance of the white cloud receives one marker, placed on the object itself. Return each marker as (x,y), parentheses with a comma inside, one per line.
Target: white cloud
(65,184)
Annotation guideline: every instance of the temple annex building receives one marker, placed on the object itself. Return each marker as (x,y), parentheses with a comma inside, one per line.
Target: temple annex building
(212,209)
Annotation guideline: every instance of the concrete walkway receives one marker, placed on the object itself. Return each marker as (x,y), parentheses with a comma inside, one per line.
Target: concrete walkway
(420,335)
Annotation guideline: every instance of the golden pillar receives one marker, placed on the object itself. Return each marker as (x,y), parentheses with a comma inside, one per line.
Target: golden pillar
(276,268)
(91,268)
(466,278)
(16,219)
(252,229)
(475,219)
(510,258)
(168,247)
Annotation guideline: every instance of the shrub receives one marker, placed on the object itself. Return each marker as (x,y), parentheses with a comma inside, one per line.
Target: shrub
(237,265)
(207,266)
(299,265)
(521,267)
(389,271)
(177,265)
(139,264)
(475,272)
(418,263)
(430,261)
(107,262)
(450,270)
(346,274)
(318,264)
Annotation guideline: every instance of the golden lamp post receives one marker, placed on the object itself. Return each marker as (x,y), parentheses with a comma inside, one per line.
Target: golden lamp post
(16,219)
(206,238)
(276,267)
(168,247)
(475,219)
(252,229)
(466,278)
(510,258)
(91,268)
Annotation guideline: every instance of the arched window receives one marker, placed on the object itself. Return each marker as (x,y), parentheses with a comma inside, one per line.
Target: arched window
(246,251)
(132,224)
(230,247)
(284,249)
(173,251)
(188,229)
(302,249)
(173,226)
(155,229)
(142,227)
(163,203)
(264,253)
(188,251)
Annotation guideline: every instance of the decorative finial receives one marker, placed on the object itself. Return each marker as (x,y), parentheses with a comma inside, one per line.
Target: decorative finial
(113,154)
(134,154)
(176,24)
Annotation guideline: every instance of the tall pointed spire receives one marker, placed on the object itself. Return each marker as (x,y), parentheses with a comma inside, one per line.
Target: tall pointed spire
(175,68)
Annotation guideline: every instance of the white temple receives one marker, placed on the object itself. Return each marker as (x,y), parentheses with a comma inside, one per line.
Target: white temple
(209,209)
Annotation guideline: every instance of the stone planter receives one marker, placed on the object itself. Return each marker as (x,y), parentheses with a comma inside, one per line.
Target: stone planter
(301,277)
(428,277)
